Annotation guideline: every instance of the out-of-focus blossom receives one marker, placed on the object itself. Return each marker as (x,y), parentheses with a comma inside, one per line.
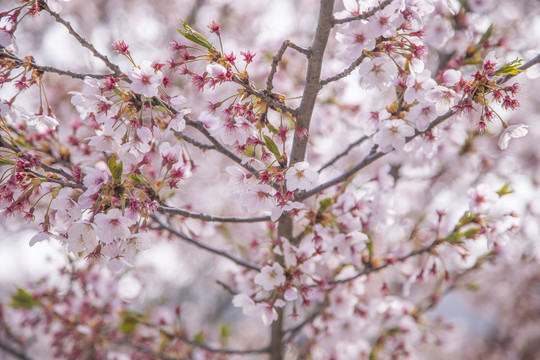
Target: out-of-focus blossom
(512,132)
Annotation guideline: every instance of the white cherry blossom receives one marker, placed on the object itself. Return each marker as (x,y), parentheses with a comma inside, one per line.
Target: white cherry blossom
(270,277)
(481,198)
(512,132)
(301,177)
(392,135)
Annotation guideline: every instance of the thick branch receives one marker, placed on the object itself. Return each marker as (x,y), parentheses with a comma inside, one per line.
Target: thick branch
(313,76)
(203,246)
(14,352)
(194,142)
(305,111)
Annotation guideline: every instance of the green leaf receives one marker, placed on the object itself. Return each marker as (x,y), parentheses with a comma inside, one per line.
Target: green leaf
(369,246)
(272,147)
(117,173)
(5,161)
(324,204)
(199,337)
(225,331)
(24,300)
(112,163)
(510,68)
(470,233)
(467,218)
(454,238)
(130,319)
(505,190)
(137,179)
(486,35)
(195,37)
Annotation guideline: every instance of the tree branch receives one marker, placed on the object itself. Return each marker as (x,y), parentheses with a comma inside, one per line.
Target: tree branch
(231,219)
(370,270)
(345,72)
(194,142)
(363,16)
(51,69)
(14,352)
(81,40)
(343,153)
(305,111)
(277,58)
(203,246)
(264,97)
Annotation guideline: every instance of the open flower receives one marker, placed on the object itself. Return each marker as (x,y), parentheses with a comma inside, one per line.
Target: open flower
(145,80)
(512,132)
(113,225)
(270,277)
(392,135)
(481,198)
(301,177)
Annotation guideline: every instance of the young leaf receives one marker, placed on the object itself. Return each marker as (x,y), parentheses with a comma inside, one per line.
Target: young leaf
(23,300)
(510,68)
(195,37)
(272,147)
(117,173)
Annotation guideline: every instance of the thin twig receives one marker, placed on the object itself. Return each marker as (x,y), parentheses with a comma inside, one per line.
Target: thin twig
(60,182)
(81,40)
(277,58)
(370,270)
(222,149)
(345,72)
(205,217)
(203,246)
(264,97)
(364,16)
(224,350)
(51,69)
(343,153)
(291,332)
(16,149)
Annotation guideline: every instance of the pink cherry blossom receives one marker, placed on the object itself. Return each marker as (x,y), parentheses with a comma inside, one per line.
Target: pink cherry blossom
(113,226)
(145,80)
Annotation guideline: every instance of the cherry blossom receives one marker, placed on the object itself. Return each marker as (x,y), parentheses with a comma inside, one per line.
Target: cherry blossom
(145,79)
(340,187)
(113,226)
(301,176)
(481,198)
(512,132)
(392,135)
(270,277)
